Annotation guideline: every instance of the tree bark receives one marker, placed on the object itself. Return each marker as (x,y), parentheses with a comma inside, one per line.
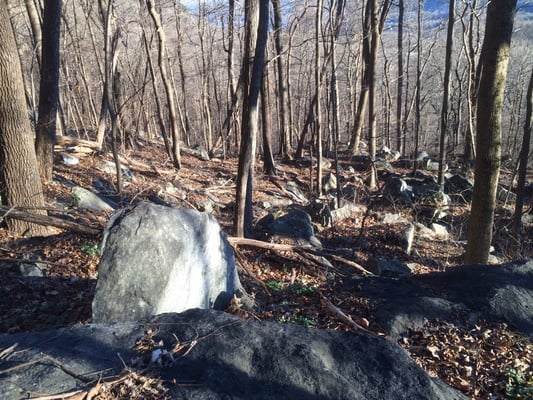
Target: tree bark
(522,170)
(285,139)
(494,62)
(20,184)
(266,119)
(446,94)
(399,93)
(49,89)
(176,159)
(372,30)
(372,88)
(318,109)
(256,17)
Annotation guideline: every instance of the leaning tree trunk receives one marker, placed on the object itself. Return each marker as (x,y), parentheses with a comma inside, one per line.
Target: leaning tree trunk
(20,184)
(494,60)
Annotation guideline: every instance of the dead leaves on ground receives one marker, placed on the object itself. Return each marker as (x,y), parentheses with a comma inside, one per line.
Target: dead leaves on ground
(474,360)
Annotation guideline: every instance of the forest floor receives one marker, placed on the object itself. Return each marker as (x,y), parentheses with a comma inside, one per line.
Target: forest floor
(492,356)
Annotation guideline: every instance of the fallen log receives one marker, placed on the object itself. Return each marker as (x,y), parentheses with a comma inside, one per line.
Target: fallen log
(70,141)
(17,213)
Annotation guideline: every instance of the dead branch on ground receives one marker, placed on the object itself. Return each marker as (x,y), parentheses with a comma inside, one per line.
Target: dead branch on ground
(236,241)
(20,214)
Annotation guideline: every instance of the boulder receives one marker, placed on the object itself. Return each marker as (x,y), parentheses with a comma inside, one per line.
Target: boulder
(157,259)
(433,165)
(421,155)
(223,357)
(408,238)
(329,183)
(430,193)
(397,190)
(346,210)
(69,160)
(459,187)
(109,167)
(197,151)
(497,292)
(391,219)
(382,165)
(295,224)
(387,268)
(84,198)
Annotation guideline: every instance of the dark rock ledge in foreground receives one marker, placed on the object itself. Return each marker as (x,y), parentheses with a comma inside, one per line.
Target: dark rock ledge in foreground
(231,359)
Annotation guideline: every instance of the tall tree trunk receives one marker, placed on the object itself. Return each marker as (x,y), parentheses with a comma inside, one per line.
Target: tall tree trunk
(110,65)
(35,24)
(256,22)
(372,89)
(162,61)
(183,76)
(372,30)
(418,80)
(446,94)
(266,120)
(285,140)
(363,95)
(399,95)
(20,184)
(522,170)
(159,107)
(318,110)
(494,60)
(49,90)
(469,149)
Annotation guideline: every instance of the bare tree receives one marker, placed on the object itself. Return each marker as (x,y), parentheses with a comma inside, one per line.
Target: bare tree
(256,22)
(162,61)
(318,96)
(522,170)
(446,93)
(494,61)
(266,120)
(285,148)
(399,94)
(49,89)
(373,24)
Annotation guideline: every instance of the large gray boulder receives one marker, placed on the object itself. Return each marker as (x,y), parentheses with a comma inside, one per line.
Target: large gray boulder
(223,357)
(296,224)
(157,259)
(496,292)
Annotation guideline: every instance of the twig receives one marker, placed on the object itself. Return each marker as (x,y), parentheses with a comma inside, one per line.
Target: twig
(75,395)
(54,361)
(341,315)
(243,266)
(5,353)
